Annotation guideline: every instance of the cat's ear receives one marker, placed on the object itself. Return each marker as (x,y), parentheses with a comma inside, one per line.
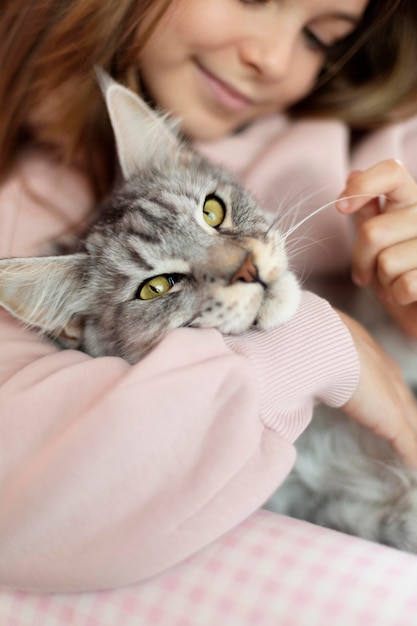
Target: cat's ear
(141,134)
(46,292)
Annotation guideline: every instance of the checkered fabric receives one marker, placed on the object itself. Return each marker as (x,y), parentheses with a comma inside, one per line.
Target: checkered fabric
(269,571)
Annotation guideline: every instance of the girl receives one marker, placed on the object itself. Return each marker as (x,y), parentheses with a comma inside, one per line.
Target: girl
(99,464)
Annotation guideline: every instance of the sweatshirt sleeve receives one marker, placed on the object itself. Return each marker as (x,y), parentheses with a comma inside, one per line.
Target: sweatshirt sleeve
(111,473)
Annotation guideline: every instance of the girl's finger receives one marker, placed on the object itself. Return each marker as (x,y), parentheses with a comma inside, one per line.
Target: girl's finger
(387,178)
(403,290)
(378,234)
(396,261)
(369,210)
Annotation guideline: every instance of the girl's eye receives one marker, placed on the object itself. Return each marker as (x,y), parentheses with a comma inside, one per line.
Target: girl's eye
(314,43)
(156,286)
(214,210)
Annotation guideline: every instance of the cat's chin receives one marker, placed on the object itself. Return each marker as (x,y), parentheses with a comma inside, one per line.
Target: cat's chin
(281,302)
(278,305)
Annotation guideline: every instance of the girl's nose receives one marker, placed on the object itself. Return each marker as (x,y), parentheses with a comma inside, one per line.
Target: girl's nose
(269,53)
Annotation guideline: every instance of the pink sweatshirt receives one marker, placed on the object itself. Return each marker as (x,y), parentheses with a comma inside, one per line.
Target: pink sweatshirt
(111,473)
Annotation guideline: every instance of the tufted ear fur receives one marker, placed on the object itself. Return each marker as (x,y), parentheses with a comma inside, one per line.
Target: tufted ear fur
(47,292)
(142,136)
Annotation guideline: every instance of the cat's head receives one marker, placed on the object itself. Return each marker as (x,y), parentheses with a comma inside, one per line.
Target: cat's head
(178,243)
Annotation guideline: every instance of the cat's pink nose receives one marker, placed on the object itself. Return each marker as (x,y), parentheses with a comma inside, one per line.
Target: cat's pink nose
(247,272)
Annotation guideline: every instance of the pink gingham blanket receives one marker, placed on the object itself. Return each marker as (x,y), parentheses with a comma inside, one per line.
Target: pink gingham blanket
(269,571)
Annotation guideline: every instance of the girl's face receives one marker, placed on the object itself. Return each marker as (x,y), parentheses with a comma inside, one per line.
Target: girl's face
(219,64)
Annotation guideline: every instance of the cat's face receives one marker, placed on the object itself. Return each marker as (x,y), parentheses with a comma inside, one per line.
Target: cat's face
(179,243)
(184,246)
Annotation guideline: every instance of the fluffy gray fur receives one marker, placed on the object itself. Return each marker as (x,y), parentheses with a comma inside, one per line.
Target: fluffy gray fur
(228,275)
(345,477)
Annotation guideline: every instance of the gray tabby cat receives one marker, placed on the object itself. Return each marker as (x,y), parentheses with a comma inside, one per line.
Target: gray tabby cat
(180,243)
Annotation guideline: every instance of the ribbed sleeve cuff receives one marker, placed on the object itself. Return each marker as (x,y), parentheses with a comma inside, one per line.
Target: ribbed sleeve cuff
(310,359)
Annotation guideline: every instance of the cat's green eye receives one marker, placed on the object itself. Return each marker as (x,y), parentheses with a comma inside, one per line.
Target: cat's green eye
(155,287)
(214,211)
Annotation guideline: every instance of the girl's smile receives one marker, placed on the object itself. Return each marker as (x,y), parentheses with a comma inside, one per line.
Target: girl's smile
(222,93)
(220,65)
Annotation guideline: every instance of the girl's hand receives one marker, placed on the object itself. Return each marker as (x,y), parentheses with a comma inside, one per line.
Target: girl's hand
(382,401)
(385,251)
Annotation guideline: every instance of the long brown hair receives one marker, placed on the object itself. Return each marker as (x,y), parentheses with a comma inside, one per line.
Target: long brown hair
(370,79)
(49,47)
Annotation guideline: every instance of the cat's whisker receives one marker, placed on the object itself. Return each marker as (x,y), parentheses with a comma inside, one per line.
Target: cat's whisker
(298,201)
(304,275)
(322,208)
(296,249)
(306,271)
(286,218)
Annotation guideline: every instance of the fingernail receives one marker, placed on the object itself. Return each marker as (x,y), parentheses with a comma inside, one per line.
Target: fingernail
(343,205)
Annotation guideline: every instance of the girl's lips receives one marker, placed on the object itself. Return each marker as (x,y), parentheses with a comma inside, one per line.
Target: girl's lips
(227,97)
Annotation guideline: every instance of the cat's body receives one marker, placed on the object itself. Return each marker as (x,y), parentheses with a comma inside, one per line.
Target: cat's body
(180,243)
(345,477)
